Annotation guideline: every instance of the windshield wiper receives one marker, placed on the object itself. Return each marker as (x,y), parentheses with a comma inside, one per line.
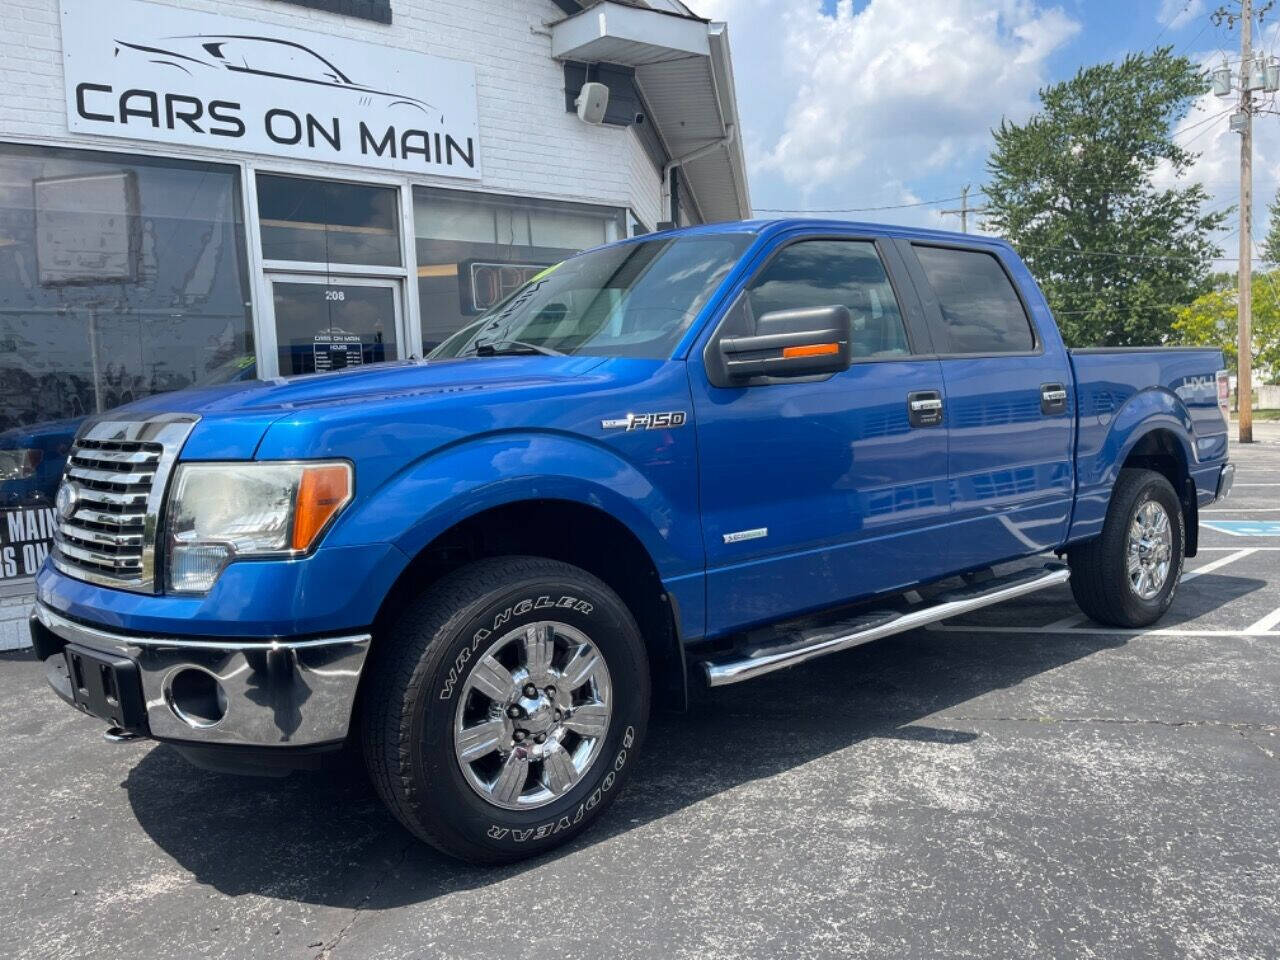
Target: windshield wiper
(500,348)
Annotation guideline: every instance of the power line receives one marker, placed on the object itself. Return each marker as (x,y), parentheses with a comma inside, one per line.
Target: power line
(1127,307)
(1119,254)
(1192,43)
(1168,23)
(892,206)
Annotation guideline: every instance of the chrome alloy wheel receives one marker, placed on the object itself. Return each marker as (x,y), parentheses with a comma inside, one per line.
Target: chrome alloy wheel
(533,715)
(1150,552)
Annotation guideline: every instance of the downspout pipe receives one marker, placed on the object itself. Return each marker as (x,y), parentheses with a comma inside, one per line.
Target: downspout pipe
(726,141)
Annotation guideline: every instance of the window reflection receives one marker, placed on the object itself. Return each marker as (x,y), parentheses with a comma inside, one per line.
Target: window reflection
(120,277)
(474,249)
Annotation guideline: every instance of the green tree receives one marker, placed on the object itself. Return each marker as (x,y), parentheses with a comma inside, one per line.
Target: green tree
(1211,320)
(1073,189)
(1270,248)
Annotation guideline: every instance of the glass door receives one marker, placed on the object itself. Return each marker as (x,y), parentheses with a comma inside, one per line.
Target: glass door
(331,323)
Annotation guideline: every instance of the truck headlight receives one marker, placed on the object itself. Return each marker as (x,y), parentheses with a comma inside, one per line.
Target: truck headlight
(219,512)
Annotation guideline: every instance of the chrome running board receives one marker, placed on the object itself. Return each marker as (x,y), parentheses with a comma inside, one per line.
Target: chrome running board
(734,668)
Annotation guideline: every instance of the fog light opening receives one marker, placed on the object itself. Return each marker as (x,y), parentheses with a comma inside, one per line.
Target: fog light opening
(196,698)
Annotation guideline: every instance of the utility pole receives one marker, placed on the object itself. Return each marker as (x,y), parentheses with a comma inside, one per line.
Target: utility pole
(963,210)
(1244,377)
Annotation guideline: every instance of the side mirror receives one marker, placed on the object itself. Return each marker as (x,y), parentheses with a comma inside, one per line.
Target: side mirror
(791,343)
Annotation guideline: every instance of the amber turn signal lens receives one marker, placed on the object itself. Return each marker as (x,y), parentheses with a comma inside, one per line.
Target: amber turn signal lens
(812,350)
(324,491)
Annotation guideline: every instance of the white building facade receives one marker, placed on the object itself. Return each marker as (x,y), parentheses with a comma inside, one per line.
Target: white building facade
(193,192)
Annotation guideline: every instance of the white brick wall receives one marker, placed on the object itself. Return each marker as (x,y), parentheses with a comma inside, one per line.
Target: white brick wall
(529,144)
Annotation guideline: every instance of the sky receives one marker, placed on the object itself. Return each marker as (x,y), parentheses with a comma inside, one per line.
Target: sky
(868,103)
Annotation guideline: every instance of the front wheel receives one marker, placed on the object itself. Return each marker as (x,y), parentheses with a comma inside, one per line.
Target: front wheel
(505,708)
(1128,575)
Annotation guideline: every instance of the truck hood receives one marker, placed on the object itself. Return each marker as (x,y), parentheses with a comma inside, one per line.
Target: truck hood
(235,416)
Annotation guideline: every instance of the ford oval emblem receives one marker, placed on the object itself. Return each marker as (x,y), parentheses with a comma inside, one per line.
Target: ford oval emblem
(68,499)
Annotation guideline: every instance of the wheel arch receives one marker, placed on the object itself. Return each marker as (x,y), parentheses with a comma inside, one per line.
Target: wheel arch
(1165,451)
(573,532)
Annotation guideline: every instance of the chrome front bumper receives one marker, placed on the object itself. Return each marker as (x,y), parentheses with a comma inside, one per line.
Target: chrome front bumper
(270,693)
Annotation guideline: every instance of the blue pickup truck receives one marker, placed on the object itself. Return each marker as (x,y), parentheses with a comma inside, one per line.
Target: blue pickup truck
(692,457)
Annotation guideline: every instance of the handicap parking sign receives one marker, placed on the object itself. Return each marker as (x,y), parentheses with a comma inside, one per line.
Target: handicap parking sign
(1245,528)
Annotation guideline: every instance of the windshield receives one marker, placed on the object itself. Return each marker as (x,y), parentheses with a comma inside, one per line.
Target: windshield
(627,300)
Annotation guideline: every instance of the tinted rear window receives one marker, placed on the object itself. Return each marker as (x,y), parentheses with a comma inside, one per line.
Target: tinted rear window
(981,312)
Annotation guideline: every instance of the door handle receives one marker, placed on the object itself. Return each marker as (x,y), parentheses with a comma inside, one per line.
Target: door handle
(924,408)
(1053,398)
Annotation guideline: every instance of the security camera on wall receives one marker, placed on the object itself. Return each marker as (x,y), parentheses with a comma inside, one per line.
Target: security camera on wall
(593,101)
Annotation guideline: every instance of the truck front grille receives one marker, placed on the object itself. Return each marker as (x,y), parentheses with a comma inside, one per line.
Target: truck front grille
(111,498)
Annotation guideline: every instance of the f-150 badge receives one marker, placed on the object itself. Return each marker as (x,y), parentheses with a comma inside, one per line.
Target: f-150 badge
(647,421)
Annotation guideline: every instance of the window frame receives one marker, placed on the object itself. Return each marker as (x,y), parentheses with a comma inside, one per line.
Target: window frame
(932,304)
(903,293)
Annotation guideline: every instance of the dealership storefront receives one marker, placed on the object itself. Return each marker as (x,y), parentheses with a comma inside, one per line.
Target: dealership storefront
(272,188)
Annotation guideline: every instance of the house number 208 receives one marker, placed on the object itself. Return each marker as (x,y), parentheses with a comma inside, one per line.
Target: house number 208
(335,294)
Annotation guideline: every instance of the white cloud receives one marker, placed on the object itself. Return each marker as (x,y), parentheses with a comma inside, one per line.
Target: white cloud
(1177,13)
(851,107)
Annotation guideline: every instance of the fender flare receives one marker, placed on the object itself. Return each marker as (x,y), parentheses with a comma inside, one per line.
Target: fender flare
(1141,415)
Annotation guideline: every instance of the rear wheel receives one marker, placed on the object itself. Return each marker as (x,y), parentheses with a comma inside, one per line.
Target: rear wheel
(1127,576)
(505,708)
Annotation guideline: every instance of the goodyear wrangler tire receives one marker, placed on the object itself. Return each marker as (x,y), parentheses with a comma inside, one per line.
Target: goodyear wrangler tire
(506,707)
(1127,576)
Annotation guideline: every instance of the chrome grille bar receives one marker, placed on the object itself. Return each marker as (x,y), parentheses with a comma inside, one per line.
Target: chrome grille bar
(122,478)
(134,498)
(89,515)
(90,455)
(86,535)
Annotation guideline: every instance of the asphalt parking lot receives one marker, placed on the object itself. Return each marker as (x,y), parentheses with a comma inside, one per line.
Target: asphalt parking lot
(1017,783)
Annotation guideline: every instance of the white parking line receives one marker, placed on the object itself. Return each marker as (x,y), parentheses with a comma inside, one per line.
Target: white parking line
(1243,510)
(1266,625)
(1216,564)
(943,628)
(1229,549)
(1066,622)
(1072,624)
(1234,485)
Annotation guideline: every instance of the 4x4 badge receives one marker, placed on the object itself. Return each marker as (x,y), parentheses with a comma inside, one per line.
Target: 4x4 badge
(647,421)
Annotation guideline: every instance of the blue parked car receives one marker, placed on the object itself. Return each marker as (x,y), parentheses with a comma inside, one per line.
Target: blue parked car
(692,457)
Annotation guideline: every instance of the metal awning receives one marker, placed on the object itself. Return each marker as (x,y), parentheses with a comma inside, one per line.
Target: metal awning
(685,72)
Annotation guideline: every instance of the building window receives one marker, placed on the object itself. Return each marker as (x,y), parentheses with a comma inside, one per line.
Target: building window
(120,277)
(328,221)
(474,249)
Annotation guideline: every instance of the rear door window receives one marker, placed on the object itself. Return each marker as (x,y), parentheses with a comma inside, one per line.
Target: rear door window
(981,312)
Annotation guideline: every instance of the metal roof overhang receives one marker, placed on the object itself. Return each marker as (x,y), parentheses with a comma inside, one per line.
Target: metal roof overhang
(685,72)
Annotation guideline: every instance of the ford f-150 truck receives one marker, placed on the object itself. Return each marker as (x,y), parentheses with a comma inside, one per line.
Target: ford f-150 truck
(695,456)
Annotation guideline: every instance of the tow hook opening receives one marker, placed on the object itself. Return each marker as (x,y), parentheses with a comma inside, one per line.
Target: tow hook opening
(196,698)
